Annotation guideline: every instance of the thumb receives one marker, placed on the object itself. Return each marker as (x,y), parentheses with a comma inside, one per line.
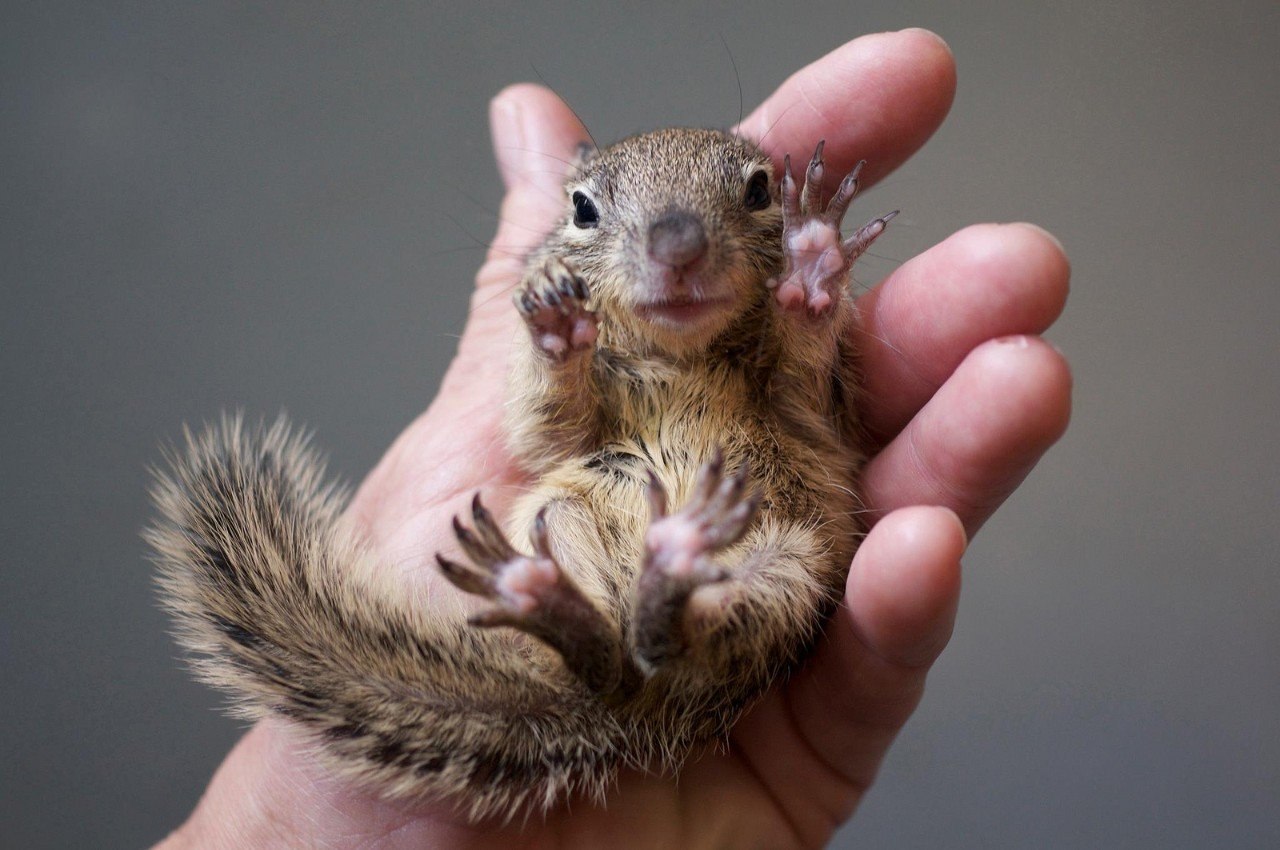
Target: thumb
(535,136)
(456,444)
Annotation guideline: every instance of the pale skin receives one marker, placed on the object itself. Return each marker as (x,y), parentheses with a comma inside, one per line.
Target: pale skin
(963,399)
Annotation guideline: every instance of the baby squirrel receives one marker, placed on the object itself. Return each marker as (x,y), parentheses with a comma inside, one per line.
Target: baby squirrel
(686,399)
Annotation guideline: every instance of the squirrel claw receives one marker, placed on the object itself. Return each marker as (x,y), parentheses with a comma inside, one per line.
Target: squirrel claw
(520,584)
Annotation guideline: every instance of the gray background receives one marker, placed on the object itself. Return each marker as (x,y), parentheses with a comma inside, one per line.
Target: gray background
(207,207)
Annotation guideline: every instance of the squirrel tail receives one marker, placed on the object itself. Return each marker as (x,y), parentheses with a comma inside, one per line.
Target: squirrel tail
(265,582)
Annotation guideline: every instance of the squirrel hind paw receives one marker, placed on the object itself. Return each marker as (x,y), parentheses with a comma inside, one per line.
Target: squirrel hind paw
(678,557)
(531,593)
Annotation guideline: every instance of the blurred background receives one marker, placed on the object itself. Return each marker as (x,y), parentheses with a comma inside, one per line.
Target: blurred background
(211,206)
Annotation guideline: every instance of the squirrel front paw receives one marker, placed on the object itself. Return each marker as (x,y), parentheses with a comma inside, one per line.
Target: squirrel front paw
(678,550)
(553,302)
(817,261)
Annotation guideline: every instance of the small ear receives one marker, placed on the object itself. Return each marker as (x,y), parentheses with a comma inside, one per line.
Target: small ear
(583,153)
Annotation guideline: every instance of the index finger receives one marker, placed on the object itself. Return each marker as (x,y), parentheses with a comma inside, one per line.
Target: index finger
(878,98)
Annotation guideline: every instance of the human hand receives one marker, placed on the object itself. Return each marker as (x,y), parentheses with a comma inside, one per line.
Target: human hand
(962,399)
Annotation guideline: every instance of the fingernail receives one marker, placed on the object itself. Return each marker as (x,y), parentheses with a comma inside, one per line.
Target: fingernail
(929,33)
(1046,234)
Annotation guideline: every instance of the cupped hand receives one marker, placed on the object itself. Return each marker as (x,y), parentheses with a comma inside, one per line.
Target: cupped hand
(963,397)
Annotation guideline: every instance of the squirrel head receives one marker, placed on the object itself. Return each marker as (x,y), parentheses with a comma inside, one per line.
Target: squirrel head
(676,233)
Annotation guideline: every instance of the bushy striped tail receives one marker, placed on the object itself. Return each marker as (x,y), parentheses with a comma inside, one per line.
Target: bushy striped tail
(271,595)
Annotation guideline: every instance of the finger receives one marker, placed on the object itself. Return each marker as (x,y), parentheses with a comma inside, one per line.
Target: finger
(979,435)
(790,195)
(535,141)
(878,98)
(903,589)
(986,281)
(818,742)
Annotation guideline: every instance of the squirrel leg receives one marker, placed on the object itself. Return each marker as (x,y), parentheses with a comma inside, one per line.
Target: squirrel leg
(678,556)
(745,617)
(533,594)
(813,309)
(554,402)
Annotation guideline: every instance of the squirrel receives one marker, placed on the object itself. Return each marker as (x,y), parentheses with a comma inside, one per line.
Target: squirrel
(686,400)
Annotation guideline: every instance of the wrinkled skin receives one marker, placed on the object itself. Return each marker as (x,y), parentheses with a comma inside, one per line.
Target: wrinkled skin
(963,399)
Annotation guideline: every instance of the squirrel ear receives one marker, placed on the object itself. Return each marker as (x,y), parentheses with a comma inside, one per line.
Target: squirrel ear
(583,153)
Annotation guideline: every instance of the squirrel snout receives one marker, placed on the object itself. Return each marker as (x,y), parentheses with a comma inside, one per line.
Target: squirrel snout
(677,239)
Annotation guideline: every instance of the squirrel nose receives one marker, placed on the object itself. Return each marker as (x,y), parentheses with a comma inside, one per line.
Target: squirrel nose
(677,239)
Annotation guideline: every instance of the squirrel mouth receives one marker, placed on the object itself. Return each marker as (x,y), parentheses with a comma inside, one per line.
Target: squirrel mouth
(680,310)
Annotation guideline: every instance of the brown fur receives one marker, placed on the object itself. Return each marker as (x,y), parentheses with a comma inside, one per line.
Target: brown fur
(257,564)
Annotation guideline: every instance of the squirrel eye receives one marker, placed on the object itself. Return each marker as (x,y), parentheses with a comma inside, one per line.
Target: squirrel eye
(585,213)
(757,197)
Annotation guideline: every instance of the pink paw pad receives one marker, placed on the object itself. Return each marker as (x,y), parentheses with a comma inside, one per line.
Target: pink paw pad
(680,542)
(717,515)
(521,585)
(524,581)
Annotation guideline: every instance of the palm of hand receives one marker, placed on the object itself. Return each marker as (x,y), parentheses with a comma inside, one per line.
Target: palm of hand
(963,401)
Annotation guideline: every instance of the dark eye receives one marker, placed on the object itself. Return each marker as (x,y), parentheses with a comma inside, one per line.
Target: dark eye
(757,197)
(585,213)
